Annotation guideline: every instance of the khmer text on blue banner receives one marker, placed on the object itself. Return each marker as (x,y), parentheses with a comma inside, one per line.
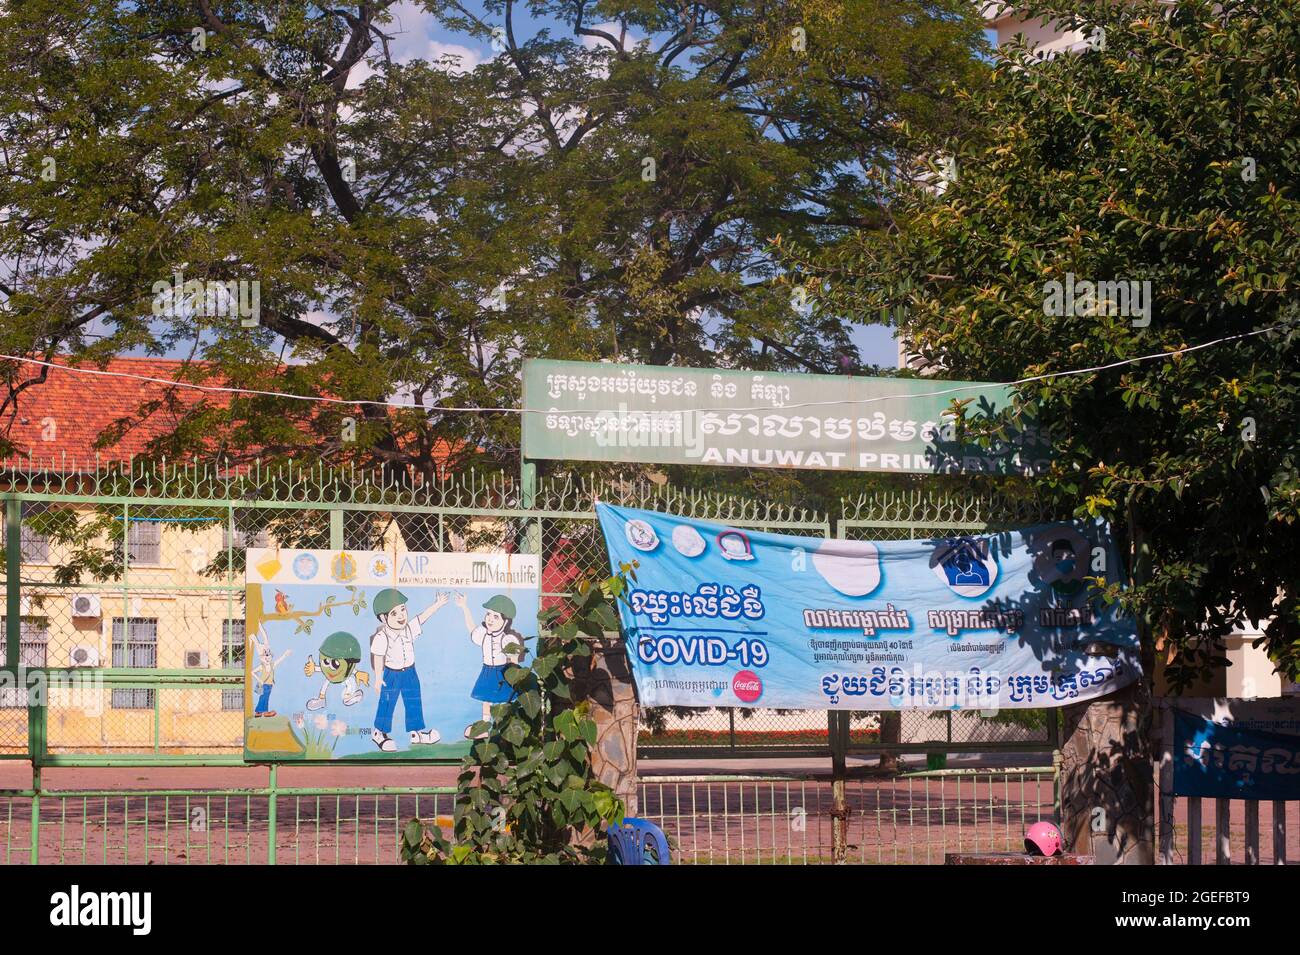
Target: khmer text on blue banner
(1232,762)
(722,616)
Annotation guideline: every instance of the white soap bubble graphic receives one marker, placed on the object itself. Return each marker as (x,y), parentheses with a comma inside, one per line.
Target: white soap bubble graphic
(688,541)
(851,567)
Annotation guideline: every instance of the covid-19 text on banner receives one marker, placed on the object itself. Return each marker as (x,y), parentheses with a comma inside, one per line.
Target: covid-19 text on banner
(722,616)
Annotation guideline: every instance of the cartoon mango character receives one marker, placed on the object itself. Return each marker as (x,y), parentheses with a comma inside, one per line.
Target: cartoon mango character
(340,653)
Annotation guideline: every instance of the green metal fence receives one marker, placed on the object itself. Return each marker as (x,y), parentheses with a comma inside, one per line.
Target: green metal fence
(913,819)
(266,825)
(123,636)
(129,587)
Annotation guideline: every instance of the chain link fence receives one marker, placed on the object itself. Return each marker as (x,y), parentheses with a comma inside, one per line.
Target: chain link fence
(131,586)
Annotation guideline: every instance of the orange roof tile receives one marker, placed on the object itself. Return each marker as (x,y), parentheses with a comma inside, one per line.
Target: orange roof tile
(65,415)
(63,418)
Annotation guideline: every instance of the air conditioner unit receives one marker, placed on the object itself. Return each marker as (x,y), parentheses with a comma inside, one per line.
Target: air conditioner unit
(86,605)
(85,655)
(196,659)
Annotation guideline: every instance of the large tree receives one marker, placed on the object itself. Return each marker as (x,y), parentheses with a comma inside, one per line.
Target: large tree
(605,183)
(1166,152)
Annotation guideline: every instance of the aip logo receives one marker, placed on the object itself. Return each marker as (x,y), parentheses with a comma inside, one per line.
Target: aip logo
(747,686)
(966,566)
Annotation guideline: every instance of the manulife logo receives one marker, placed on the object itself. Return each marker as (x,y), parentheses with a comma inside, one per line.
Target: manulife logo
(482,572)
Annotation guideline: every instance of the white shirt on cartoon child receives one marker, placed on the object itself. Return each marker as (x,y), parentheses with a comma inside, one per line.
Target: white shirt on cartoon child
(493,644)
(397,647)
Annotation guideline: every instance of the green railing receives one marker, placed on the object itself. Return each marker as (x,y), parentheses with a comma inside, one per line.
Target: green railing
(914,818)
(266,825)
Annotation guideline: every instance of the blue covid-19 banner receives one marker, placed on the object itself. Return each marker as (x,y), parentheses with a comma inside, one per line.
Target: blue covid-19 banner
(722,616)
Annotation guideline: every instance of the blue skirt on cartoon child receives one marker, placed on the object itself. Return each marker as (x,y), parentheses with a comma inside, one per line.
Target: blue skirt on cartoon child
(491,685)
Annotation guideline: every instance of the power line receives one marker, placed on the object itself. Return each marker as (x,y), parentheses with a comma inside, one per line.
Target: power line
(451,409)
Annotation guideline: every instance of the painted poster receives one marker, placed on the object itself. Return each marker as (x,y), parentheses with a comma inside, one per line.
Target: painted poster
(722,616)
(597,411)
(379,655)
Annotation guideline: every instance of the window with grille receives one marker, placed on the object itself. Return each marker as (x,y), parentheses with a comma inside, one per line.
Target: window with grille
(135,646)
(33,643)
(34,547)
(232,699)
(143,542)
(232,644)
(242,539)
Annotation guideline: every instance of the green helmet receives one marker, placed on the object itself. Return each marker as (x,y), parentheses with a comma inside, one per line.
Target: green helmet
(341,645)
(387,599)
(502,605)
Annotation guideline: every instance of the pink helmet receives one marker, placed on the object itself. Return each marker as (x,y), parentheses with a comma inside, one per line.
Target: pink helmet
(1044,839)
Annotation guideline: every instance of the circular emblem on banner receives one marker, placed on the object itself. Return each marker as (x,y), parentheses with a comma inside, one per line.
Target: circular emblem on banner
(966,565)
(747,686)
(305,566)
(381,565)
(1061,559)
(851,567)
(735,546)
(688,541)
(641,535)
(343,567)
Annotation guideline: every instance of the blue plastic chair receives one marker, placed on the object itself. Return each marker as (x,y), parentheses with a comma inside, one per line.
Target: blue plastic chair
(637,842)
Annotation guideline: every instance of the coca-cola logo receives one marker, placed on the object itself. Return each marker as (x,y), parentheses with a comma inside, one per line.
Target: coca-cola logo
(747,686)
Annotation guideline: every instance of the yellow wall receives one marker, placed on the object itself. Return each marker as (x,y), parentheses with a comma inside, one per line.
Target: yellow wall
(188,618)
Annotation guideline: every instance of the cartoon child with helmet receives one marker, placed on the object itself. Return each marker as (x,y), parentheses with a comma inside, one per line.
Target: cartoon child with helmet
(494,635)
(392,651)
(340,653)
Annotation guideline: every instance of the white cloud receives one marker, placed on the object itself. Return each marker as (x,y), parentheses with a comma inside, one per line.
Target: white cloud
(412,29)
(613,29)
(461,58)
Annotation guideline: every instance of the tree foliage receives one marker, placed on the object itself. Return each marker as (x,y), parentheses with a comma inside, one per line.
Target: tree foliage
(606,182)
(526,793)
(1166,154)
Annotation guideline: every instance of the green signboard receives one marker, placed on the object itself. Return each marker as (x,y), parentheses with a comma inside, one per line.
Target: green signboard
(590,411)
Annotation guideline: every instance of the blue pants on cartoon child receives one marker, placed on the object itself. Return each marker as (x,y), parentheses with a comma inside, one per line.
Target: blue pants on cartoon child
(264,700)
(491,686)
(405,684)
